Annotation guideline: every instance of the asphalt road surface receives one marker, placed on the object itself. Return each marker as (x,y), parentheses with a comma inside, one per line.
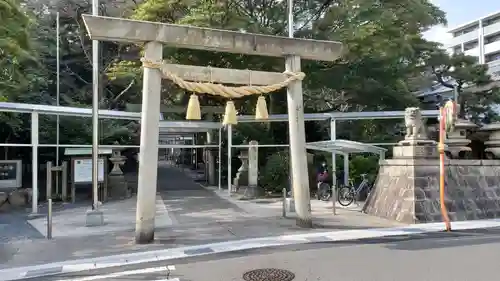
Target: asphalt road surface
(457,256)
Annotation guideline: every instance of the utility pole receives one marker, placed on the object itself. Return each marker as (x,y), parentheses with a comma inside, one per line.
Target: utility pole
(95,216)
(58,70)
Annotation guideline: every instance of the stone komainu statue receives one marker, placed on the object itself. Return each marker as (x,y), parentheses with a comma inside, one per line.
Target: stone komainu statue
(414,124)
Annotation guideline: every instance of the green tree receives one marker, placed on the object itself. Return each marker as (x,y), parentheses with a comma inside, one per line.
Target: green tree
(383,41)
(459,71)
(384,48)
(15,47)
(21,74)
(76,72)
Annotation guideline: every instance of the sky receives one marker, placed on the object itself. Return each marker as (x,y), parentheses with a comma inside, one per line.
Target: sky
(459,12)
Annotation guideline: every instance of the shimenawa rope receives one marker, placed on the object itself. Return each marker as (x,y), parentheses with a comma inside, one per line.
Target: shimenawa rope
(219,89)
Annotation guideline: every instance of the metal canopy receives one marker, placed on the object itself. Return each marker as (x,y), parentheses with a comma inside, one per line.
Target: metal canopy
(176,136)
(114,114)
(339,116)
(188,126)
(165,126)
(344,146)
(283,118)
(66,111)
(377,114)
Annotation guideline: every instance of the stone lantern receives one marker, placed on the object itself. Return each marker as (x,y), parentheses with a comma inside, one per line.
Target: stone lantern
(493,144)
(241,178)
(457,142)
(116,179)
(117,159)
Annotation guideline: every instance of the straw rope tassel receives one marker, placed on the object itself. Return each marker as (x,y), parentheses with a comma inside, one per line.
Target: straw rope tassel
(230,117)
(261,109)
(193,110)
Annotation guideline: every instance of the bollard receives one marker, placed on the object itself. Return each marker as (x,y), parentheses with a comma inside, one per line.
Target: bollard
(334,199)
(284,203)
(49,219)
(49,180)
(64,179)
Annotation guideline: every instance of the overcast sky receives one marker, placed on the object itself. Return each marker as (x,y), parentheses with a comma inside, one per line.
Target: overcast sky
(459,12)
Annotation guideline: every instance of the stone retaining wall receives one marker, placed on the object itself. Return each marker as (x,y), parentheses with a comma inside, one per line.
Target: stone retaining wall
(407,190)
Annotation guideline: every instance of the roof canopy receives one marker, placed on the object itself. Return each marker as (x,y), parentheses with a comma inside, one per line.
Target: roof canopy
(165,125)
(344,146)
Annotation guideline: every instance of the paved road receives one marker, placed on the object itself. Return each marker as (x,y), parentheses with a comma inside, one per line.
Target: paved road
(459,256)
(189,203)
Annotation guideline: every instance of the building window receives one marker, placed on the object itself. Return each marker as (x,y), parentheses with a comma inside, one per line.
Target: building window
(465,30)
(470,45)
(457,50)
(495,74)
(492,38)
(491,21)
(492,57)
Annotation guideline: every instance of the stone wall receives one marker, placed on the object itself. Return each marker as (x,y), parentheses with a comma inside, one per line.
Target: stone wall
(407,190)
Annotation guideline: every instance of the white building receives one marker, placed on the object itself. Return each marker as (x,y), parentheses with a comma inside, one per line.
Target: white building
(479,38)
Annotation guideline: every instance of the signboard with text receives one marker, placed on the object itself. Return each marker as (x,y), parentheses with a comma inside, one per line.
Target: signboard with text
(10,174)
(82,170)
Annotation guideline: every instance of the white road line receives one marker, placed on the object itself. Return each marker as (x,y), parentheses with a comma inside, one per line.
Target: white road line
(122,273)
(175,279)
(20,273)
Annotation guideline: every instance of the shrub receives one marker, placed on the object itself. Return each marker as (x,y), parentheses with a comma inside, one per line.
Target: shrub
(360,164)
(274,175)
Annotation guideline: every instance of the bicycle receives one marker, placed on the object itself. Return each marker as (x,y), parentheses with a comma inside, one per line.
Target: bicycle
(323,189)
(324,192)
(348,194)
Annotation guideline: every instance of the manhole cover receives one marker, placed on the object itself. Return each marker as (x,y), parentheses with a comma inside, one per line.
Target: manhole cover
(268,274)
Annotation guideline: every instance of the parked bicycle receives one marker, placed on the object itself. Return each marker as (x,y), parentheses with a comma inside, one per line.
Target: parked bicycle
(348,194)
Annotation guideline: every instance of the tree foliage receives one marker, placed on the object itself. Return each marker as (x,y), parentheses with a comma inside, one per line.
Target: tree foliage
(31,64)
(21,74)
(15,47)
(379,69)
(382,38)
(459,71)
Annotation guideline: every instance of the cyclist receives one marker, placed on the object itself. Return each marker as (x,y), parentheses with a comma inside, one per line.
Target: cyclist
(322,174)
(322,178)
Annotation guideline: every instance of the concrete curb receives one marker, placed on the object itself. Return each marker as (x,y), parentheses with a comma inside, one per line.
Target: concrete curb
(56,268)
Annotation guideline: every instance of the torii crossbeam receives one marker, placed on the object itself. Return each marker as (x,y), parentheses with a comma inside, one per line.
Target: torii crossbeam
(155,35)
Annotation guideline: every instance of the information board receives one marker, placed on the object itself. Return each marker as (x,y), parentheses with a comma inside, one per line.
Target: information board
(82,170)
(10,174)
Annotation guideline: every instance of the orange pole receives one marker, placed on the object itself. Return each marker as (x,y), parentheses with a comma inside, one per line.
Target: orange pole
(444,212)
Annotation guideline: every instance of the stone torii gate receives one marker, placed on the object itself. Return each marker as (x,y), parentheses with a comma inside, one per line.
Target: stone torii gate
(154,35)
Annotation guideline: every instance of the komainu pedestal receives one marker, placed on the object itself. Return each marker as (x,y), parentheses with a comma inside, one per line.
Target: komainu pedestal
(407,187)
(407,190)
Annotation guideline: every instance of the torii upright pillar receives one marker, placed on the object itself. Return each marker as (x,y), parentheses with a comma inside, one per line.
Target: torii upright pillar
(293,49)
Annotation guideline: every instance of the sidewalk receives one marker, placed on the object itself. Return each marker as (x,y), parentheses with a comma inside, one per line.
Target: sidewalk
(322,212)
(90,267)
(195,218)
(69,220)
(40,251)
(187,214)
